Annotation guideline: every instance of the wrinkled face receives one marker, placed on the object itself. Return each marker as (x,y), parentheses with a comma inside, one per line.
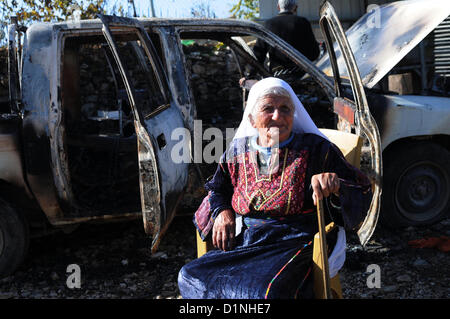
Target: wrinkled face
(273,119)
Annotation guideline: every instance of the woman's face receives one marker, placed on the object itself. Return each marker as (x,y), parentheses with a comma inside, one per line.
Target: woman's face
(273,118)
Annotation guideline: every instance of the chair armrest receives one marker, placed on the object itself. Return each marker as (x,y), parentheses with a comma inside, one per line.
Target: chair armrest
(203,246)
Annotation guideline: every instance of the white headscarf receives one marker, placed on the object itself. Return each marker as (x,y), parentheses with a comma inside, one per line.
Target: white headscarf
(302,121)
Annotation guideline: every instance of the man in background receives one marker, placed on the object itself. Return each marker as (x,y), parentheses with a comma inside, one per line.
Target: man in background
(293,29)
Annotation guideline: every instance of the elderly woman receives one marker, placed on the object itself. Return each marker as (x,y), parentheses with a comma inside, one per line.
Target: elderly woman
(274,169)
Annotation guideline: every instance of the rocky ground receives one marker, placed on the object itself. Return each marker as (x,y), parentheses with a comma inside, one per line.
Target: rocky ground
(406,272)
(115,262)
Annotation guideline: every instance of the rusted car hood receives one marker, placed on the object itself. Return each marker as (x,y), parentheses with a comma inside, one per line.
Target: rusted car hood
(382,37)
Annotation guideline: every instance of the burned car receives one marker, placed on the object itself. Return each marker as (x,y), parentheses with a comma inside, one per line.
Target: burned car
(88,133)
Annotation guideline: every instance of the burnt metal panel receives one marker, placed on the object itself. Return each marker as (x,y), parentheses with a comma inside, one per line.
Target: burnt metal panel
(177,78)
(365,123)
(378,48)
(13,73)
(38,66)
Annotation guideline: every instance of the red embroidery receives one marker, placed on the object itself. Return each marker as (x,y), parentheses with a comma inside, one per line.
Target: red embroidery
(278,193)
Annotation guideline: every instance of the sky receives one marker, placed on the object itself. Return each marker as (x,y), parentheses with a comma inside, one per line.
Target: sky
(182,8)
(165,9)
(172,8)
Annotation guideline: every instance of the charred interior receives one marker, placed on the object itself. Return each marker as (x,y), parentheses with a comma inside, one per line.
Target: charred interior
(217,60)
(203,51)
(100,136)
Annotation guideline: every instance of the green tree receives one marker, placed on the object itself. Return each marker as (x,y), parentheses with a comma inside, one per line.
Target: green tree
(247,9)
(27,11)
(202,10)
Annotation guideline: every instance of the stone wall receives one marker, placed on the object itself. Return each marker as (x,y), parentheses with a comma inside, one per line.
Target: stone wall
(214,77)
(215,84)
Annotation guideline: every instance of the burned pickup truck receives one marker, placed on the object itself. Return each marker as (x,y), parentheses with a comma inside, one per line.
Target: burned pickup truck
(87,133)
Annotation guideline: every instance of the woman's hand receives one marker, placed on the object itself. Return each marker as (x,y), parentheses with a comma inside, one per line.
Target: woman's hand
(223,230)
(324,184)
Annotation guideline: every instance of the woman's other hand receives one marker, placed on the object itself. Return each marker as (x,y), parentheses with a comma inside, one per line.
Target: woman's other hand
(324,185)
(223,230)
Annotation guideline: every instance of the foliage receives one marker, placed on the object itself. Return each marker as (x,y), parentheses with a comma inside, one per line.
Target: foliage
(247,9)
(202,10)
(27,11)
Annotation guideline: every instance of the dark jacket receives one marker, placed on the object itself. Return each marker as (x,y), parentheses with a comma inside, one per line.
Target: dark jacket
(293,29)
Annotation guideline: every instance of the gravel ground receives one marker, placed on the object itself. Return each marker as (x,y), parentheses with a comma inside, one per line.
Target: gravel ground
(115,262)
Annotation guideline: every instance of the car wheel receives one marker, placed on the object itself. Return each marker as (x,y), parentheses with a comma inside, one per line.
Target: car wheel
(14,237)
(416,185)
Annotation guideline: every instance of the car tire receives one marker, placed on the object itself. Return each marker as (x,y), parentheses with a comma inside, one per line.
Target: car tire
(14,239)
(416,185)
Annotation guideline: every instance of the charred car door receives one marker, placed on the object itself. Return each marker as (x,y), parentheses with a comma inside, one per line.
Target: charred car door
(162,180)
(355,112)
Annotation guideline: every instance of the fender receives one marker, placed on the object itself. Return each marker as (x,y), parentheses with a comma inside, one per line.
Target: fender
(402,116)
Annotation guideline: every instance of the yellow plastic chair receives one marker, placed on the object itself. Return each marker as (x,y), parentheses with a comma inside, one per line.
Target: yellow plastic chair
(324,287)
(203,246)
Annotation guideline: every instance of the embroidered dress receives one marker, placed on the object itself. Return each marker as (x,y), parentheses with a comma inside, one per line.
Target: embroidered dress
(273,254)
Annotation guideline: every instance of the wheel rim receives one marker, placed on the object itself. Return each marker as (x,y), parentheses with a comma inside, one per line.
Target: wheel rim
(422,191)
